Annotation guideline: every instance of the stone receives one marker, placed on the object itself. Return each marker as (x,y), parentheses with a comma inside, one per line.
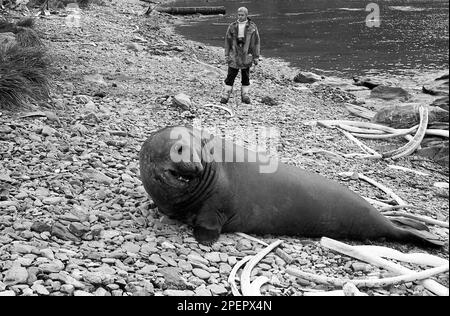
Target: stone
(178,293)
(149,248)
(101,292)
(360,266)
(172,278)
(183,101)
(64,277)
(407,115)
(148,269)
(131,247)
(244,244)
(52,200)
(53,267)
(16,275)
(307,77)
(442,103)
(47,253)
(217,289)
(213,256)
(438,153)
(97,176)
(40,227)
(40,289)
(7,293)
(202,292)
(157,259)
(61,231)
(390,93)
(67,288)
(48,131)
(78,229)
(135,47)
(82,293)
(195,258)
(22,248)
(438,87)
(224,269)
(184,265)
(367,82)
(200,273)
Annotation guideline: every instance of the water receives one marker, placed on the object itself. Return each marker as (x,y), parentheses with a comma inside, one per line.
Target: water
(331,36)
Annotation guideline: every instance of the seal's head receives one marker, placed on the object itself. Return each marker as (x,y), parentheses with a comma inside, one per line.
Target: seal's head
(171,166)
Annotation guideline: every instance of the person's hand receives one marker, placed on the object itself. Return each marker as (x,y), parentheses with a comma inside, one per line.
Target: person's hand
(256,61)
(227,59)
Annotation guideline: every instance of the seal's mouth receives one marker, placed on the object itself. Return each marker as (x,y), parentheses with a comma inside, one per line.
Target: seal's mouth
(180,177)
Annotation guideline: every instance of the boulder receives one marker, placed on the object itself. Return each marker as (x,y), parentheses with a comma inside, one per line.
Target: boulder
(407,115)
(438,87)
(442,102)
(367,82)
(307,77)
(390,93)
(438,153)
(183,101)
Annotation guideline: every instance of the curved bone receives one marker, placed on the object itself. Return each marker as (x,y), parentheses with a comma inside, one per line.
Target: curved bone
(398,133)
(221,107)
(361,145)
(354,129)
(280,252)
(378,185)
(369,283)
(366,256)
(424,219)
(232,276)
(412,145)
(253,289)
(415,258)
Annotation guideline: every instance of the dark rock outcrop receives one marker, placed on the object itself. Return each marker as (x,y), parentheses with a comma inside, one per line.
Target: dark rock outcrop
(407,115)
(390,93)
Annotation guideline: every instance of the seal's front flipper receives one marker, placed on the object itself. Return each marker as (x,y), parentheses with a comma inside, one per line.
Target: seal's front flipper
(206,236)
(208,226)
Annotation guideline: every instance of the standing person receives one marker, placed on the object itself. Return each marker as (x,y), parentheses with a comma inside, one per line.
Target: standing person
(242,48)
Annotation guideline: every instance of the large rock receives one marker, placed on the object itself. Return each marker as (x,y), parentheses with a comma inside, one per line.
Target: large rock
(442,102)
(407,115)
(438,87)
(183,101)
(367,82)
(390,93)
(307,77)
(438,153)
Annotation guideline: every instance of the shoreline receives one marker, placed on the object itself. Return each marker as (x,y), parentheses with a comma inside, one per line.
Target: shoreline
(73,202)
(413,76)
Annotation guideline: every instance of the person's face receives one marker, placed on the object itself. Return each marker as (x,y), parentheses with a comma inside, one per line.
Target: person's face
(241,16)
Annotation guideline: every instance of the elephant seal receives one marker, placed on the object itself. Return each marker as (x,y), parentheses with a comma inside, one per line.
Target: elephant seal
(189,175)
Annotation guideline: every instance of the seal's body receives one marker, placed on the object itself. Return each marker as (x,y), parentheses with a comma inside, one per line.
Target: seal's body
(216,195)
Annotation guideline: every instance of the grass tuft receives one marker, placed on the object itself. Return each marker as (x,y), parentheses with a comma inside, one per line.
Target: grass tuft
(23,75)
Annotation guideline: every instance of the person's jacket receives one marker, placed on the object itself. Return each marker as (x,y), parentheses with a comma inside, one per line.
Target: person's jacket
(242,56)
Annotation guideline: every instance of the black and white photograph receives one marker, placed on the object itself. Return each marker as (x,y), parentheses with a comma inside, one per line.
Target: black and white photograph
(224,155)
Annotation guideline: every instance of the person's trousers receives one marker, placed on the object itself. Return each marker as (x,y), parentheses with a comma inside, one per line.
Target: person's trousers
(233,72)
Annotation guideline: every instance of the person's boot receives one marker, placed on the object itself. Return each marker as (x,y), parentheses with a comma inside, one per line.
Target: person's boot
(227,94)
(245,98)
